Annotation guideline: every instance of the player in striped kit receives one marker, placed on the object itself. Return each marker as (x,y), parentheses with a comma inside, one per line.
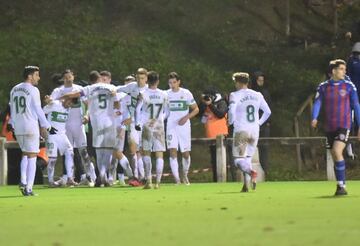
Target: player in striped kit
(339,97)
(178,129)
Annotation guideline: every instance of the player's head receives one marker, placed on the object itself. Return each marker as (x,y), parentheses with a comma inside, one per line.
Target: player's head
(153,79)
(94,77)
(141,76)
(32,74)
(241,79)
(105,77)
(67,103)
(67,76)
(128,79)
(174,80)
(337,68)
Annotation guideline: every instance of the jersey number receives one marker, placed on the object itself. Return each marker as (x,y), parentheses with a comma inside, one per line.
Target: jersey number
(250,113)
(20,104)
(152,107)
(102,101)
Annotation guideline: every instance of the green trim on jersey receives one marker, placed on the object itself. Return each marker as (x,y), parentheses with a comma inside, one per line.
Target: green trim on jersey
(59,117)
(178,105)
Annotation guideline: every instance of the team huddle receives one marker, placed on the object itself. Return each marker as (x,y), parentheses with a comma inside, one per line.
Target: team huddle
(138,108)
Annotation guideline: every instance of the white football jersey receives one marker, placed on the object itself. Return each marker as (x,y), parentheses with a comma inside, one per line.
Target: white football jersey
(122,113)
(244,109)
(100,104)
(133,90)
(76,112)
(179,103)
(57,115)
(154,105)
(25,109)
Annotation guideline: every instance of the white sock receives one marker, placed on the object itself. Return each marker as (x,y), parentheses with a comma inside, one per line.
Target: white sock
(186,165)
(174,165)
(121,177)
(23,169)
(134,161)
(88,165)
(30,173)
(141,169)
(159,169)
(247,178)
(69,164)
(147,167)
(113,167)
(242,165)
(100,162)
(124,162)
(51,169)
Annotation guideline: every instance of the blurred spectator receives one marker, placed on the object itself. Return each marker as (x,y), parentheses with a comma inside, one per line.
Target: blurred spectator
(353,65)
(258,85)
(213,109)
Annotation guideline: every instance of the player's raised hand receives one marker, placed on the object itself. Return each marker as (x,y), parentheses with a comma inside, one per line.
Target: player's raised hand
(314,123)
(85,120)
(52,130)
(47,99)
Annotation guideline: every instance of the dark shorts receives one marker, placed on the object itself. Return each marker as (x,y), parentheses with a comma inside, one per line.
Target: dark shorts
(340,134)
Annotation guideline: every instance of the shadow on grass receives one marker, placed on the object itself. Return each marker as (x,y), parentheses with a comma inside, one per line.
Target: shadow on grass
(14,196)
(335,197)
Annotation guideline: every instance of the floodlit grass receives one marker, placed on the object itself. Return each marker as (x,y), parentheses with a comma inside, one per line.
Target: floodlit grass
(277,213)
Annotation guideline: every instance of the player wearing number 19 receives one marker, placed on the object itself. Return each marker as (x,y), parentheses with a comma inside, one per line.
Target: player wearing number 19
(26,114)
(244,115)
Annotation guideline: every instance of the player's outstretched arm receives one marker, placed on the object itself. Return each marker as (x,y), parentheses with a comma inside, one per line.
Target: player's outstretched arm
(266,111)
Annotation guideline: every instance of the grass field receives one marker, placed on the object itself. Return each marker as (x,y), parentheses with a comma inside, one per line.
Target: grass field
(277,213)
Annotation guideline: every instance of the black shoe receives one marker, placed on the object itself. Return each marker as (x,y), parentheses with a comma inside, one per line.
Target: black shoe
(253,185)
(244,188)
(340,191)
(22,188)
(30,193)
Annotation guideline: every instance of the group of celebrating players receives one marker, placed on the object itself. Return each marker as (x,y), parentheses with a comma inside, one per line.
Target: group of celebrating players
(138,107)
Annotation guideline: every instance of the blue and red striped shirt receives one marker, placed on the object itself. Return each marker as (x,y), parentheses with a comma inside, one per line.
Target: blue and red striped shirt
(339,98)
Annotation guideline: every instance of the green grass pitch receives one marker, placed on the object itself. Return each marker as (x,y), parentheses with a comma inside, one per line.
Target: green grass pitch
(277,213)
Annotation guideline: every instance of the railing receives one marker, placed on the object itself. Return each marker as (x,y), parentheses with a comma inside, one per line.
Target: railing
(221,143)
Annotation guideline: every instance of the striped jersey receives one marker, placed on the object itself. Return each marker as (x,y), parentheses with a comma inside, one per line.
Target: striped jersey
(339,97)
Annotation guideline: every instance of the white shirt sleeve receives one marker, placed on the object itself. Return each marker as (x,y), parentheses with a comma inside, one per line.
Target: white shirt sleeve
(55,94)
(38,110)
(266,111)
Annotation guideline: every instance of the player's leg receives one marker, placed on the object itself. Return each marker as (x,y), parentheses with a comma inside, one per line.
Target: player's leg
(172,145)
(239,149)
(159,168)
(184,137)
(51,151)
(88,165)
(147,146)
(23,164)
(133,141)
(337,149)
(30,147)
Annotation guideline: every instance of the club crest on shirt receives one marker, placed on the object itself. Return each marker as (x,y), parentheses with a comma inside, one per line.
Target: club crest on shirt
(342,92)
(342,137)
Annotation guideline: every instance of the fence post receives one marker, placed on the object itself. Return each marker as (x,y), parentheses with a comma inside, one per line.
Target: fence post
(220,158)
(330,172)
(3,162)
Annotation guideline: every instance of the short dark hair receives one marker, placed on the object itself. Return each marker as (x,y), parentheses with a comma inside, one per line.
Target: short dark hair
(153,77)
(335,64)
(68,70)
(94,76)
(173,75)
(105,73)
(29,70)
(241,77)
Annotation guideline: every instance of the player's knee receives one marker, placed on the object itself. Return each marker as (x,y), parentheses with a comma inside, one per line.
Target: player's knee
(173,153)
(186,155)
